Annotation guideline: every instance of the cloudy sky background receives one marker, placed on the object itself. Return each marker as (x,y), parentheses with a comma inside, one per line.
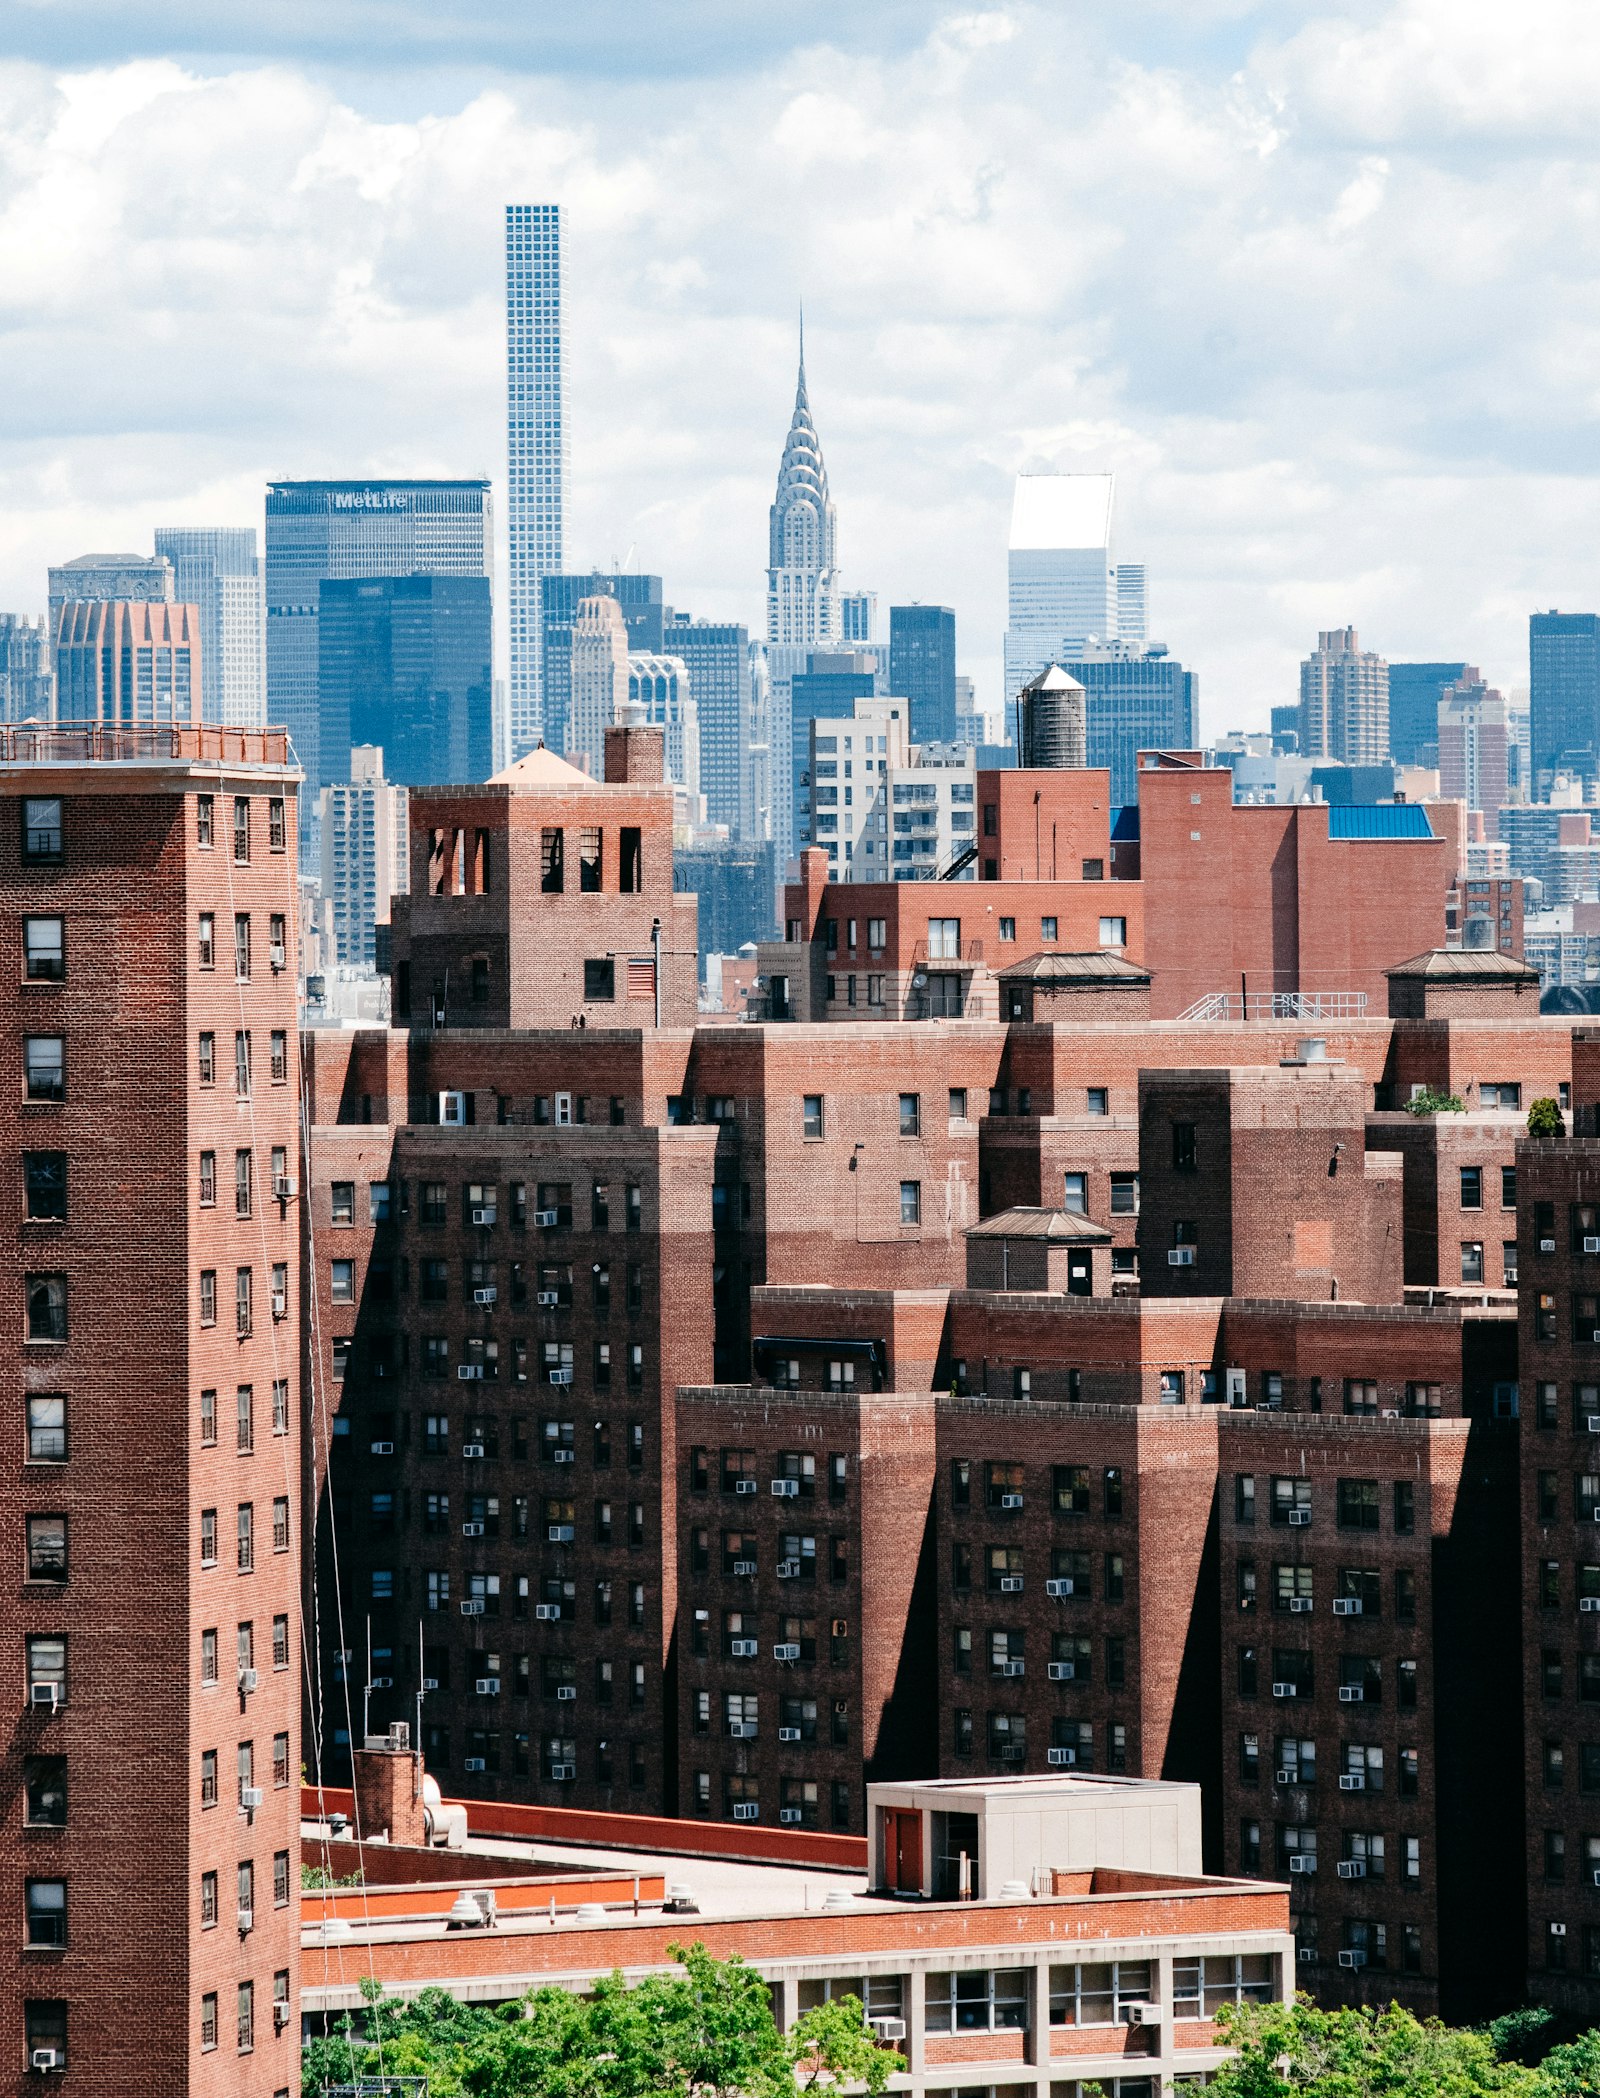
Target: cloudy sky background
(1320,286)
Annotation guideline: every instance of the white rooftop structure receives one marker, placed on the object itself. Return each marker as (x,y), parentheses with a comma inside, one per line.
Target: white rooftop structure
(1058,511)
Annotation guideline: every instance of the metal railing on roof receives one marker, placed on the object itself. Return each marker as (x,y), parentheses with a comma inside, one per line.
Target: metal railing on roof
(1278,1005)
(95,743)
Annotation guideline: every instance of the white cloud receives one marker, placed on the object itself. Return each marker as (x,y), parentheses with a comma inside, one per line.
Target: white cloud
(1328,307)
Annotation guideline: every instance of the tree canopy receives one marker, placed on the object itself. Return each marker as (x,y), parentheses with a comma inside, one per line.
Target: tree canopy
(705,2032)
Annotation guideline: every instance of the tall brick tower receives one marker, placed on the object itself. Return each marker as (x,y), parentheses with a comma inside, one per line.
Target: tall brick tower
(149,1487)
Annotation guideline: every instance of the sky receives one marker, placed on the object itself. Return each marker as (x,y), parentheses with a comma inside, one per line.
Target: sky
(1319,284)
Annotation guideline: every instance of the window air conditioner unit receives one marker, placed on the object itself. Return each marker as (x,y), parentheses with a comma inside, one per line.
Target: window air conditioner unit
(566,1693)
(280,2013)
(1352,1781)
(1141,2014)
(473,1607)
(1286,1690)
(1589,1602)
(383,1449)
(784,1489)
(250,1797)
(1013,1668)
(247,1921)
(548,1297)
(382,1682)
(563,1457)
(888,2028)
(1288,1777)
(247,1681)
(484,1296)
(453,1108)
(1306,1955)
(1011,1584)
(1352,1694)
(559,1533)
(1299,1518)
(1547,1245)
(549,1218)
(547,1613)
(741,1730)
(1061,1671)
(558,1377)
(1391,1413)
(1352,1959)
(430,1682)
(790,1815)
(1059,1589)
(1347,1606)
(788,1569)
(746,1810)
(1591,1245)
(469,1372)
(785,1650)
(472,1529)
(1180,1257)
(283,1188)
(483,1216)
(1558,1930)
(487,1686)
(744,1567)
(743,1649)
(563,1773)
(45,1697)
(44,2059)
(788,1733)
(1592,1422)
(279,958)
(1011,1500)
(1300,1604)
(744,1485)
(472,1449)
(1061,1758)
(474,1763)
(1302,1861)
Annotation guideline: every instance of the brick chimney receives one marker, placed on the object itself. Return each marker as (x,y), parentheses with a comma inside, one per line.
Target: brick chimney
(388,1789)
(635,756)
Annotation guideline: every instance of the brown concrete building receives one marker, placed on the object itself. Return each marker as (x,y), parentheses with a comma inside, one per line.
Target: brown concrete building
(150,1505)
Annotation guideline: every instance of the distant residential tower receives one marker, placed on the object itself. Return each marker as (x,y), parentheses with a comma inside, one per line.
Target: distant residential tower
(536,448)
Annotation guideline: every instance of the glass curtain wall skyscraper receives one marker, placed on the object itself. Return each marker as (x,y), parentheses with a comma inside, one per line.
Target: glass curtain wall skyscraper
(922,668)
(1064,589)
(218,571)
(536,450)
(1564,695)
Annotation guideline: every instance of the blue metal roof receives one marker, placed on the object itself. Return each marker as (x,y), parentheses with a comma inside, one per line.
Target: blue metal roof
(1380,819)
(1125,824)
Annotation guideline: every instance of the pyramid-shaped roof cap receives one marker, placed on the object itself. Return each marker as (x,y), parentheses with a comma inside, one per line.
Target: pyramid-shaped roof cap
(1055,679)
(541,768)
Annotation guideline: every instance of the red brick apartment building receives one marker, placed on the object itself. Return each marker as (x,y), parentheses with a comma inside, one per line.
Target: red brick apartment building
(151,1497)
(712,1420)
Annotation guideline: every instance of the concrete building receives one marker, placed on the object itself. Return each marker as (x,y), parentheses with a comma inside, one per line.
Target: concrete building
(731,722)
(661,694)
(1415,690)
(599,678)
(366,841)
(1344,701)
(536,453)
(154,1503)
(110,578)
(643,614)
(858,617)
(1474,744)
(879,808)
(122,664)
(217,570)
(27,690)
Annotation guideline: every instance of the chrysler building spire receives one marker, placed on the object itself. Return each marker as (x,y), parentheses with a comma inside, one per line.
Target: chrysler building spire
(802,576)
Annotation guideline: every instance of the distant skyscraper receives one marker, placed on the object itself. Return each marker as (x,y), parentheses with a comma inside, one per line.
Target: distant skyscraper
(218,571)
(1564,695)
(663,687)
(326,531)
(25,682)
(1132,610)
(922,668)
(1473,741)
(365,842)
(1139,698)
(643,614)
(1062,588)
(110,578)
(119,663)
(802,564)
(536,449)
(1415,690)
(1344,701)
(718,657)
(599,679)
(405,662)
(858,616)
(832,681)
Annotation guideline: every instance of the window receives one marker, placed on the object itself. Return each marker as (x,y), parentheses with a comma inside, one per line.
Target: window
(47,1547)
(992,2000)
(44,949)
(1358,1504)
(811,1115)
(206,1055)
(1047,930)
(241,830)
(1472,1260)
(630,853)
(245,1535)
(1201,1987)
(1097,1100)
(1472,1187)
(944,939)
(47,1429)
(44,1067)
(242,1317)
(1508,1187)
(1113,932)
(1075,1193)
(1183,1147)
(911,1114)
(45,1791)
(47,1307)
(911,1201)
(47,1911)
(600,979)
(44,1175)
(42,838)
(241,946)
(247,1989)
(241,1064)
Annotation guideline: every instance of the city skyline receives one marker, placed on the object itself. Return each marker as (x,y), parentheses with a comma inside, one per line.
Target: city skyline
(994,336)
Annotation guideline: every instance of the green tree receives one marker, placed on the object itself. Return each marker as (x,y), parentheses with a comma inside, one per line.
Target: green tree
(833,2046)
(1286,2048)
(1431,1102)
(1546,1119)
(1573,2071)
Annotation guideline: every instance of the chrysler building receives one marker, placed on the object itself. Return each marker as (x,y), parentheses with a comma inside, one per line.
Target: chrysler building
(802,579)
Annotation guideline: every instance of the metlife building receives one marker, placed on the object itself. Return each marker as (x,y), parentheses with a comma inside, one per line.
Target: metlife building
(326,531)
